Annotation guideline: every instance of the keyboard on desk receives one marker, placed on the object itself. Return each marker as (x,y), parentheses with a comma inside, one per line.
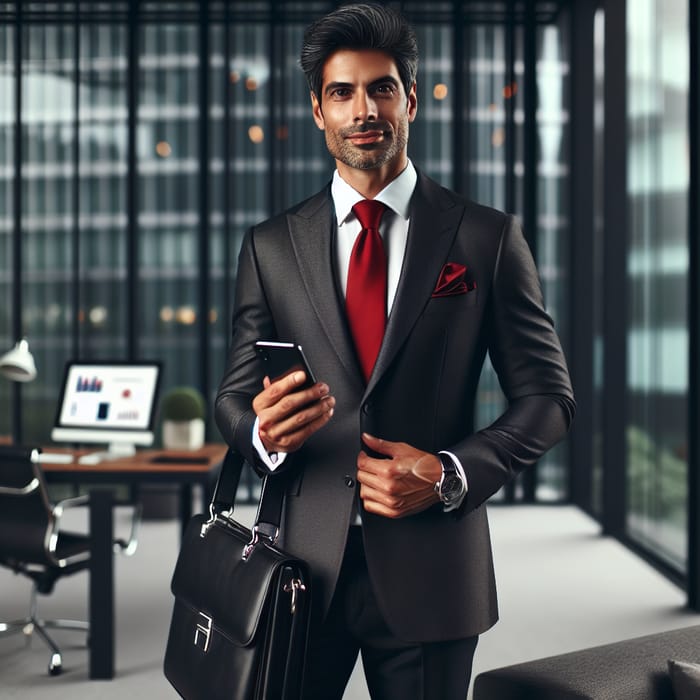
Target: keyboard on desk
(55,458)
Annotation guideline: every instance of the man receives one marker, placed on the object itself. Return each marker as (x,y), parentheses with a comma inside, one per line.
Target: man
(386,479)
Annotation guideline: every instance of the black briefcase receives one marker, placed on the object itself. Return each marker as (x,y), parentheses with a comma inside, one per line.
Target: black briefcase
(240,622)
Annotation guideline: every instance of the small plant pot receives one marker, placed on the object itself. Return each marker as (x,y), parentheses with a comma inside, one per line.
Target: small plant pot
(183,434)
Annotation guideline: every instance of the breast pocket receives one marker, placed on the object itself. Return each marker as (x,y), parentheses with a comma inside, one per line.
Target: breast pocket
(454,304)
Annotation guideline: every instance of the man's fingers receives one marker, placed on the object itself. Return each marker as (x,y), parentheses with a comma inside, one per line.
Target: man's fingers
(290,442)
(290,432)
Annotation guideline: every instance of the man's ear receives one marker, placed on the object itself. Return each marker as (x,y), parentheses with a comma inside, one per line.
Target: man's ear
(412,100)
(317,112)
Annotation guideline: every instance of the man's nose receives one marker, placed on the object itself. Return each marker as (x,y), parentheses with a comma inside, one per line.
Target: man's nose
(365,108)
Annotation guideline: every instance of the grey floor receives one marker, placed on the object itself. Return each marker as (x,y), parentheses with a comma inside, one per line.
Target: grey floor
(562,587)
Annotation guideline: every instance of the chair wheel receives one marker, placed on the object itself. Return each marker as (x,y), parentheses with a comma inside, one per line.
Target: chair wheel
(55,665)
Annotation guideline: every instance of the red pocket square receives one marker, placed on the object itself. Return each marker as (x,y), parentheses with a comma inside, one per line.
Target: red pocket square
(452,281)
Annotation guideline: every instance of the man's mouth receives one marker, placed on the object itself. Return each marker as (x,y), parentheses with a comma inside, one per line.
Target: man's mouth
(363,138)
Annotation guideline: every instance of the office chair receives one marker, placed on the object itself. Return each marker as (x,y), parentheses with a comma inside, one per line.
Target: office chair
(32,544)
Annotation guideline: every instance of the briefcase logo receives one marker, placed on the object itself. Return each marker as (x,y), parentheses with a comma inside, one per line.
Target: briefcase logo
(202,633)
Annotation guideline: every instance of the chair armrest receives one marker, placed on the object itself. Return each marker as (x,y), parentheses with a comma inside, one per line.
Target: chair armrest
(128,547)
(121,546)
(20,490)
(72,502)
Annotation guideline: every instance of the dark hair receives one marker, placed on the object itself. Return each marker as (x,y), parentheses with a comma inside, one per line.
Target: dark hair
(359,26)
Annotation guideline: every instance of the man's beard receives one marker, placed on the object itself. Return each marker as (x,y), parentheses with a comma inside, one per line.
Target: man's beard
(373,155)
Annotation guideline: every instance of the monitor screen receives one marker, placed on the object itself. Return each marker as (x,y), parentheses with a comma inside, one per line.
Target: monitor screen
(108,402)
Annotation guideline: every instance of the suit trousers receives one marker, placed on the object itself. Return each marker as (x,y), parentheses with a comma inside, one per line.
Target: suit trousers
(394,669)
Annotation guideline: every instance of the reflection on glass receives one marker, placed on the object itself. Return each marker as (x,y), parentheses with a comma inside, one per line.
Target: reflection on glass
(7,193)
(657,275)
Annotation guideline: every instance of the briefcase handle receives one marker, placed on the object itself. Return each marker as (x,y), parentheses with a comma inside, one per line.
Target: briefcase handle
(269,514)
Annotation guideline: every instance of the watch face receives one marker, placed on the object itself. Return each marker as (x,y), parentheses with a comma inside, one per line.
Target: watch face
(451,487)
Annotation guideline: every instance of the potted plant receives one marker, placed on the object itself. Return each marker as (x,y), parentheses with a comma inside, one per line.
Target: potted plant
(183,411)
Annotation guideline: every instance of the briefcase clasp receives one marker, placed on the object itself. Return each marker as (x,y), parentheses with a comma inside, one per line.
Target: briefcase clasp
(202,633)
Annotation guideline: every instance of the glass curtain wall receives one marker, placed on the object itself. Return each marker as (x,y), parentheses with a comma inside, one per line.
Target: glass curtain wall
(120,118)
(657,275)
(7,211)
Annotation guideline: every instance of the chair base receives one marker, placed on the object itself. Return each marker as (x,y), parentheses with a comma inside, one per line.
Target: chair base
(29,625)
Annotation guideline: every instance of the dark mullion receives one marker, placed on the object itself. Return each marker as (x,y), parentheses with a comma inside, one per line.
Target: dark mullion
(693,577)
(272,190)
(580,351)
(460,155)
(132,271)
(204,179)
(228,198)
(615,237)
(75,242)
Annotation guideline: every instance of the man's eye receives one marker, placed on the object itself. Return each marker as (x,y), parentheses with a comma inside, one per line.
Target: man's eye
(340,93)
(387,89)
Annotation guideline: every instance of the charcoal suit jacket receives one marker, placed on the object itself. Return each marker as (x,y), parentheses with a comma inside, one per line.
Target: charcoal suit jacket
(432,572)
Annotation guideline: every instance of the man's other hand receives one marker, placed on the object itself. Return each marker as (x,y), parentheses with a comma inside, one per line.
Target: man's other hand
(401,484)
(288,416)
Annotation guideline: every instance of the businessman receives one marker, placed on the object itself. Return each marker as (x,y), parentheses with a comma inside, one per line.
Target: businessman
(396,288)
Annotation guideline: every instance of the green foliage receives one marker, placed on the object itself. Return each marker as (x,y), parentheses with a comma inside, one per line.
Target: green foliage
(182,403)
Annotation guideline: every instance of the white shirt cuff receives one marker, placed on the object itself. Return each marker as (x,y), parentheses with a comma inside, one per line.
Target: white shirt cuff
(272,460)
(460,471)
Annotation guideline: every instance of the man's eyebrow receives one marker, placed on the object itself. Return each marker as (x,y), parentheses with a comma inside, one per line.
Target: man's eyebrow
(335,85)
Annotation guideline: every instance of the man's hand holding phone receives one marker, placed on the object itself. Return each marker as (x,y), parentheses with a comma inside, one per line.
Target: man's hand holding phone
(292,406)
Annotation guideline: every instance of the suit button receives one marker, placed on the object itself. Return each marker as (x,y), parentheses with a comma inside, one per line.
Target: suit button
(348,481)
(366,408)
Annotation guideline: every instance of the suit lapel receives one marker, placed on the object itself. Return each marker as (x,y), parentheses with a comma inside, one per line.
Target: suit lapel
(311,232)
(435,218)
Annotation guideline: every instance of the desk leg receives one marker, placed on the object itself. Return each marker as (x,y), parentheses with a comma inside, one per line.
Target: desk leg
(185,507)
(101,584)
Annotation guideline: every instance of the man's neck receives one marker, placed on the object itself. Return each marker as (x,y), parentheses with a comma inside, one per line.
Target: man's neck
(369,183)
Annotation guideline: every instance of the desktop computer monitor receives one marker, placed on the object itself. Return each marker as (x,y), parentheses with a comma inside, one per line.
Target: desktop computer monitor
(108,402)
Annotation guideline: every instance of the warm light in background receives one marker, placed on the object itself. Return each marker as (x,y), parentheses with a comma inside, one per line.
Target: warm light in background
(251,84)
(498,137)
(256,134)
(98,315)
(510,90)
(213,315)
(163,149)
(282,132)
(440,91)
(234,76)
(185,315)
(167,314)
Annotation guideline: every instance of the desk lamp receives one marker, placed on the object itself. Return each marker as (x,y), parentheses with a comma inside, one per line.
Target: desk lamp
(18,364)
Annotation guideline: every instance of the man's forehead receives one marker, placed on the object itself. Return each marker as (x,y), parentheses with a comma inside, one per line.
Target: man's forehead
(346,65)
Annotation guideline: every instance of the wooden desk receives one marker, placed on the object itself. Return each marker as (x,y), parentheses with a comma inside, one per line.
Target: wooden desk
(139,469)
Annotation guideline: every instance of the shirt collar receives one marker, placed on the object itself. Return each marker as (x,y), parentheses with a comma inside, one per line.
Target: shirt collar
(396,195)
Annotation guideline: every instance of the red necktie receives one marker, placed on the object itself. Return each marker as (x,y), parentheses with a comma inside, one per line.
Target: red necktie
(365,296)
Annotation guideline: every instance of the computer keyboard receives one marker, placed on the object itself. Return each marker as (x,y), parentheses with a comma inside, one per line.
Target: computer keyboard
(55,458)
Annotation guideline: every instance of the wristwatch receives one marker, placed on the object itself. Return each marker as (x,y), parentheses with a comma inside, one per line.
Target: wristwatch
(451,487)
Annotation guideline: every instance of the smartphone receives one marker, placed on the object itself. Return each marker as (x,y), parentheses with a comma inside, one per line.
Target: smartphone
(281,359)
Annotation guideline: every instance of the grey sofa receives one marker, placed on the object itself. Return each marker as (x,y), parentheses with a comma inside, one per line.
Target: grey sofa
(634,669)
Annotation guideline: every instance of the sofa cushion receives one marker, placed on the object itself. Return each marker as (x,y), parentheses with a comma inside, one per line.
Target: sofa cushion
(685,679)
(634,669)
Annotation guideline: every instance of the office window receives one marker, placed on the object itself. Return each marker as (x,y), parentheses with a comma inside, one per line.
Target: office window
(167,153)
(100,257)
(48,214)
(7,210)
(657,275)
(198,162)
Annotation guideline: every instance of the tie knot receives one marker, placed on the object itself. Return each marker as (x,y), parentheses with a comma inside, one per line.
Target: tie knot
(369,213)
